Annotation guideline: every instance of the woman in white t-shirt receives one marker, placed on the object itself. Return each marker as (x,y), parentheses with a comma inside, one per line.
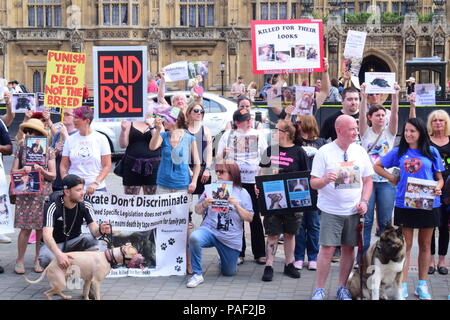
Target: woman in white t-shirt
(86,153)
(378,139)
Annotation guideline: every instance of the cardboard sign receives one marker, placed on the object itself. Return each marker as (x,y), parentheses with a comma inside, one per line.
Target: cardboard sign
(120,82)
(25,183)
(64,79)
(185,70)
(353,53)
(380,82)
(23,102)
(36,150)
(425,94)
(285,193)
(293,46)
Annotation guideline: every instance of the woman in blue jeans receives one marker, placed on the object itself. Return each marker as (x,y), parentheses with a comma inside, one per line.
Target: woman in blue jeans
(377,137)
(225,237)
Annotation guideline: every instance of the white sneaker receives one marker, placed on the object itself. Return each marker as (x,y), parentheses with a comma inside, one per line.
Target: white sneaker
(298,264)
(5,239)
(194,281)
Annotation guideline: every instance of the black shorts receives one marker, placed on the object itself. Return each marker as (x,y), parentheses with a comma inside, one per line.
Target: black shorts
(276,224)
(416,218)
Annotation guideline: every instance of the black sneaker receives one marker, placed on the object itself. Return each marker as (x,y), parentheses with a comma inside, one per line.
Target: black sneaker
(291,271)
(2,270)
(268,274)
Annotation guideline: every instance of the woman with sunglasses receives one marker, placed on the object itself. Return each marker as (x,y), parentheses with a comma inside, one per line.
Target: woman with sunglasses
(290,158)
(244,102)
(377,137)
(416,158)
(30,207)
(438,126)
(227,241)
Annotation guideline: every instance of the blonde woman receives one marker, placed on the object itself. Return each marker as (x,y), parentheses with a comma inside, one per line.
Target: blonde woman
(438,126)
(251,90)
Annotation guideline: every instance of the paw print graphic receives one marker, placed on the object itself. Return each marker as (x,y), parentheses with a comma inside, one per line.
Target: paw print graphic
(171,241)
(163,246)
(179,260)
(177,268)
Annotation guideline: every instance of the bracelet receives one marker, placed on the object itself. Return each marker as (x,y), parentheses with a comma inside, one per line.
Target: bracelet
(97,183)
(365,201)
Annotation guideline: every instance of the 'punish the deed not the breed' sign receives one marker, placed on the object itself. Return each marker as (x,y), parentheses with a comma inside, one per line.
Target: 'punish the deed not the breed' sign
(156,226)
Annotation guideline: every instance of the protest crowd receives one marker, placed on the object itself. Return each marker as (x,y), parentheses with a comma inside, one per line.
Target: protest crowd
(352,161)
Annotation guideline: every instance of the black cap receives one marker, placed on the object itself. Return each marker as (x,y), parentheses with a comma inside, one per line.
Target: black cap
(71,180)
(241,115)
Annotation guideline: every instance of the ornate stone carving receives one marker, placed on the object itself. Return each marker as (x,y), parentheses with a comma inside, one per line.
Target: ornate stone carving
(76,41)
(439,39)
(192,34)
(3,42)
(233,39)
(410,41)
(333,42)
(153,39)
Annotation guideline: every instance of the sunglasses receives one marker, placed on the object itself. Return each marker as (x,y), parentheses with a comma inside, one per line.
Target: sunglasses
(198,111)
(30,131)
(219,171)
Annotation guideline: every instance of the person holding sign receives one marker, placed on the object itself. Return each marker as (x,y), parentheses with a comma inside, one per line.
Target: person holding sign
(341,204)
(86,153)
(438,126)
(227,241)
(416,158)
(290,158)
(29,207)
(177,100)
(378,140)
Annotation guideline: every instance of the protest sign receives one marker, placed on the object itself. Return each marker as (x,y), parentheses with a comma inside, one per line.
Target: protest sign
(25,183)
(380,82)
(420,193)
(293,46)
(353,53)
(285,193)
(40,107)
(185,70)
(425,94)
(120,82)
(23,102)
(348,176)
(36,150)
(156,225)
(304,100)
(220,191)
(64,79)
(6,212)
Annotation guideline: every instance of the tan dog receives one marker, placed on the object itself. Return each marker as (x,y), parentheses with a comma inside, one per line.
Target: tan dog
(91,266)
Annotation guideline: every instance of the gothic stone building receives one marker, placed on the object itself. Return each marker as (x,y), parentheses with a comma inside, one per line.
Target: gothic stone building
(215,31)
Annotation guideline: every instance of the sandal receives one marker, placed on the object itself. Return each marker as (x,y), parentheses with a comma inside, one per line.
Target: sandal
(261,260)
(431,270)
(442,270)
(38,268)
(19,268)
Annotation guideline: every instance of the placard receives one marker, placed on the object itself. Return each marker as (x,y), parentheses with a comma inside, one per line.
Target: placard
(6,211)
(220,191)
(353,54)
(26,183)
(304,102)
(293,46)
(286,193)
(41,107)
(36,151)
(23,102)
(120,83)
(380,82)
(425,94)
(64,79)
(185,70)
(420,193)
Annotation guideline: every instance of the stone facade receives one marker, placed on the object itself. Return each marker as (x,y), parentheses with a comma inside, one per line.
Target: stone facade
(223,35)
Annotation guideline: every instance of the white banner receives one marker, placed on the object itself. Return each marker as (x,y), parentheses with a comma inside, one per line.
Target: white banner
(380,82)
(425,94)
(6,212)
(155,225)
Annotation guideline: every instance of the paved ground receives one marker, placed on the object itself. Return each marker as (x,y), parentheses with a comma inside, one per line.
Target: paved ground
(246,285)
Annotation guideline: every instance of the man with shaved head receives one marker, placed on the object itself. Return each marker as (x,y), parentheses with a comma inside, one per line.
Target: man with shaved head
(341,172)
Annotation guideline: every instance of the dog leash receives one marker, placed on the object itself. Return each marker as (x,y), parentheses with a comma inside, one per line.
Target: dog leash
(107,237)
(360,229)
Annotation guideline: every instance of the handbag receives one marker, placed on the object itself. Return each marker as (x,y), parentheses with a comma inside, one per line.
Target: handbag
(118,169)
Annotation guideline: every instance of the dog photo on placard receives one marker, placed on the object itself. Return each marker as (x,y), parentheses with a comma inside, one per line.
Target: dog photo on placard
(382,268)
(275,200)
(144,242)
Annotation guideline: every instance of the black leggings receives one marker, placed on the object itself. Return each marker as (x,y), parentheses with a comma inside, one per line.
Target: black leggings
(443,234)
(256,227)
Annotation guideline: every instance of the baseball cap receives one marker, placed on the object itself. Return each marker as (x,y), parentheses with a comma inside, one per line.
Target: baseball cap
(241,115)
(71,180)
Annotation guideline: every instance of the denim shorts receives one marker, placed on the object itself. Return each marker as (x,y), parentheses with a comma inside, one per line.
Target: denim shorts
(336,230)
(276,224)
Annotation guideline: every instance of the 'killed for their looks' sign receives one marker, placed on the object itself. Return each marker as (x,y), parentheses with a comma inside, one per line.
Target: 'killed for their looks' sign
(120,80)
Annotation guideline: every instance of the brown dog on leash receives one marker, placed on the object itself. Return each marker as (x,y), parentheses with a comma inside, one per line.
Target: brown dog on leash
(93,267)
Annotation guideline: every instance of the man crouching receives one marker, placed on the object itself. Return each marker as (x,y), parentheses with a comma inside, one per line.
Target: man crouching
(63,217)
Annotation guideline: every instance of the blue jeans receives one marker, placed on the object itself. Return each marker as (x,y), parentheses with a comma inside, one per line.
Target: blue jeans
(203,238)
(383,195)
(308,236)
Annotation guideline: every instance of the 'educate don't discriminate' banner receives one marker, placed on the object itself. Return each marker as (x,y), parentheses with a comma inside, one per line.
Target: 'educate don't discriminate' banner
(293,46)
(64,79)
(156,225)
(120,82)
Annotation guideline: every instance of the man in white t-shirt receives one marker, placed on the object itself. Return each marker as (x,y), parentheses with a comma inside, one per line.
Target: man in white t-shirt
(238,88)
(342,173)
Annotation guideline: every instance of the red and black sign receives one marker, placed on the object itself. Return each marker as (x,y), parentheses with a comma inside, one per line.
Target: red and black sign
(121,76)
